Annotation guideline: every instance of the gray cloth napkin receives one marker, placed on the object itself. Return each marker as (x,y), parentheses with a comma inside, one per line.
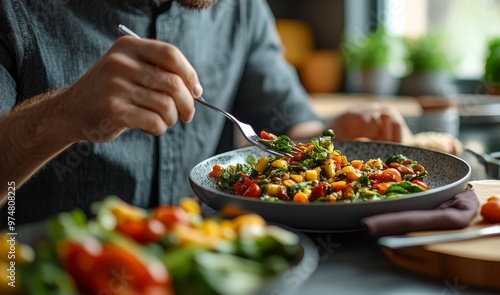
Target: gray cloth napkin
(455,213)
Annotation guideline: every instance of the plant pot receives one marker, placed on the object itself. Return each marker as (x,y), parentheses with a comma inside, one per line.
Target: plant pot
(430,83)
(379,82)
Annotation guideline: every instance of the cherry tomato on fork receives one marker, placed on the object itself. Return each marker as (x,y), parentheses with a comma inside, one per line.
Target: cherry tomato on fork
(267,135)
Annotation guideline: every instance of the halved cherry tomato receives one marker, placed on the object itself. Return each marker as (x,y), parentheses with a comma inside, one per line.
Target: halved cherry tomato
(239,188)
(421,184)
(490,211)
(253,191)
(80,258)
(112,269)
(144,231)
(170,215)
(267,135)
(247,181)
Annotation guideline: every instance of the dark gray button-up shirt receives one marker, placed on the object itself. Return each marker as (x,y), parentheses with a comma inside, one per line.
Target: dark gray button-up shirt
(47,45)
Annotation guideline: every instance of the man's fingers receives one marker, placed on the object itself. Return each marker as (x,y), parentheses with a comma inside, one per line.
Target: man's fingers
(168,58)
(143,119)
(158,102)
(154,79)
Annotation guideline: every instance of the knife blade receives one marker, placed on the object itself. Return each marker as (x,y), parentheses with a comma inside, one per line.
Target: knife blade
(396,242)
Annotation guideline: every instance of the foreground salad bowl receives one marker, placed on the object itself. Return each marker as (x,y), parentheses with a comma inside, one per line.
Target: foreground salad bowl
(448,175)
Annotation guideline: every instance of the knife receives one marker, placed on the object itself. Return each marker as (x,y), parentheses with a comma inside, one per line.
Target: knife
(396,242)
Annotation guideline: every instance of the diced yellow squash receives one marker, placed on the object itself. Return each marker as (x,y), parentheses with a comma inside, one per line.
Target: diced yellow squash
(357,164)
(273,189)
(279,163)
(289,183)
(311,175)
(337,157)
(227,230)
(375,163)
(330,168)
(338,185)
(248,219)
(307,192)
(190,205)
(261,164)
(297,178)
(351,173)
(211,228)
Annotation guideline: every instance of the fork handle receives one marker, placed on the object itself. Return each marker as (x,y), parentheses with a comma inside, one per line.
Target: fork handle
(210,105)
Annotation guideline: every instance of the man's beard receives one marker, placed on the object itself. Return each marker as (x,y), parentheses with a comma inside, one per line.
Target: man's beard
(197,4)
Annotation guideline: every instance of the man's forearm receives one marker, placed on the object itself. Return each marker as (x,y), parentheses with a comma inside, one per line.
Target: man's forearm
(31,134)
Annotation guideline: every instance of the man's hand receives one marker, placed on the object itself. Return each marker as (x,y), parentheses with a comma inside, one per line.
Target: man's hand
(377,121)
(142,84)
(138,83)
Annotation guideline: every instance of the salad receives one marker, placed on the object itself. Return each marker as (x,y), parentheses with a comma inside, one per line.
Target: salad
(319,173)
(167,250)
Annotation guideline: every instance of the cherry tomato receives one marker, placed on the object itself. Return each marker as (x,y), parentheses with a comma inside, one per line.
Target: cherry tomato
(299,156)
(239,188)
(134,273)
(253,191)
(248,182)
(170,215)
(267,135)
(80,258)
(144,231)
(421,184)
(319,190)
(216,171)
(282,195)
(490,211)
(112,269)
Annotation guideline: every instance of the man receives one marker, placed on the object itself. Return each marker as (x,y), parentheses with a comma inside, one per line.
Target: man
(87,114)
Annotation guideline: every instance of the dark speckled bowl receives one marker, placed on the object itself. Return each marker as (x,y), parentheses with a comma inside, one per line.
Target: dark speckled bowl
(448,175)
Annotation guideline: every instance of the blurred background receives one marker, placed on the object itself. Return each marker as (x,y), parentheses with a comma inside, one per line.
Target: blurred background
(438,62)
(400,37)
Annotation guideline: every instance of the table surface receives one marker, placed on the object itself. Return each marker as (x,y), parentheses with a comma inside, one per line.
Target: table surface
(353,263)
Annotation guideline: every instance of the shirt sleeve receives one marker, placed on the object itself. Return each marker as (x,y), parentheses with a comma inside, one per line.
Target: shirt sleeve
(7,59)
(271,96)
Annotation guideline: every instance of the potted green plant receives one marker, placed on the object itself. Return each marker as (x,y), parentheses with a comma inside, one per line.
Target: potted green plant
(492,66)
(430,67)
(372,60)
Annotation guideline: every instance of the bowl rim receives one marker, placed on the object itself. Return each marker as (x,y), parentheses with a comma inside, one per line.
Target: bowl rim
(465,177)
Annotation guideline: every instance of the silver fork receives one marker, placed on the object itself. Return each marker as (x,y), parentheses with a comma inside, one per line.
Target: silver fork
(245,129)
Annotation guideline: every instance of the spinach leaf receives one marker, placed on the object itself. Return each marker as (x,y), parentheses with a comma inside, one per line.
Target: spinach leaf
(281,143)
